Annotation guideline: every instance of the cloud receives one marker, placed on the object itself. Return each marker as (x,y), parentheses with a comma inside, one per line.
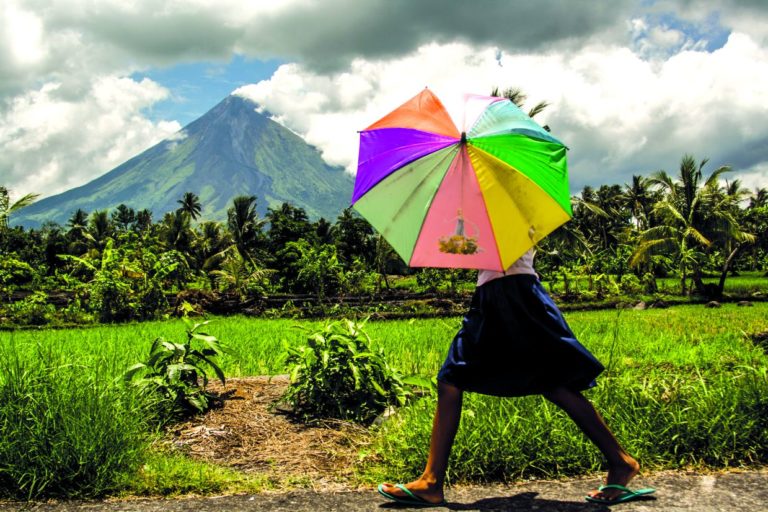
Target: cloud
(633,84)
(620,113)
(65,39)
(52,142)
(326,36)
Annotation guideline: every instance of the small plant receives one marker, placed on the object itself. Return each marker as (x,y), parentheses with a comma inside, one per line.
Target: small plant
(339,374)
(175,373)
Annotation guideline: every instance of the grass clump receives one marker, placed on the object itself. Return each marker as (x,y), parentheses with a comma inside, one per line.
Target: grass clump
(65,431)
(173,474)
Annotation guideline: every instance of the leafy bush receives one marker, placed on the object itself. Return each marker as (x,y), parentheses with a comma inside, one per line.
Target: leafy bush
(630,284)
(340,374)
(32,310)
(174,375)
(15,272)
(65,430)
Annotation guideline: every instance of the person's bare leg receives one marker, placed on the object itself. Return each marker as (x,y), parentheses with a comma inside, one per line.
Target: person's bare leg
(447,415)
(622,467)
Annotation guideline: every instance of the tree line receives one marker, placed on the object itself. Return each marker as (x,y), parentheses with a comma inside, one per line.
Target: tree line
(125,262)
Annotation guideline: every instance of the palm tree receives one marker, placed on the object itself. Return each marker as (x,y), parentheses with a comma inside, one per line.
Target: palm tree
(77,234)
(211,245)
(518,97)
(7,208)
(240,275)
(78,222)
(100,227)
(176,231)
(190,203)
(123,217)
(143,221)
(684,209)
(725,202)
(637,199)
(759,198)
(244,225)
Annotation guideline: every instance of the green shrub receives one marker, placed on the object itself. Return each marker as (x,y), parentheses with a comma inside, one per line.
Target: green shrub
(630,284)
(340,374)
(174,375)
(14,272)
(32,310)
(65,430)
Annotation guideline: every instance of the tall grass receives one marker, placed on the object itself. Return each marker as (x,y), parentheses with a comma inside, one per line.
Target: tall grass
(65,429)
(678,392)
(666,423)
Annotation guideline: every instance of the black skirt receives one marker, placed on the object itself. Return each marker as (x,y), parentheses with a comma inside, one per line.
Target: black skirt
(514,341)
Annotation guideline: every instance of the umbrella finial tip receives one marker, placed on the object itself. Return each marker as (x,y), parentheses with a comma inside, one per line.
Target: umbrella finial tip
(463,137)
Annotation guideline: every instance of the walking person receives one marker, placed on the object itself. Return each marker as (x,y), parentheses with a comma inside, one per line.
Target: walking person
(514,341)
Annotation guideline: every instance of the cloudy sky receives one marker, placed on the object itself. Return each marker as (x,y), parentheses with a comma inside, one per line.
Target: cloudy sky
(633,85)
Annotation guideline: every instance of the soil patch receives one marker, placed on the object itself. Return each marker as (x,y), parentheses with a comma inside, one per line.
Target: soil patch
(245,433)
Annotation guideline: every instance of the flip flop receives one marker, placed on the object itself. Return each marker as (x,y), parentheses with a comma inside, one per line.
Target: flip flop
(627,494)
(409,498)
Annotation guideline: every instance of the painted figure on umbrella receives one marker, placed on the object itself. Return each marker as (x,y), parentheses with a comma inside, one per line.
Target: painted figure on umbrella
(509,174)
(459,242)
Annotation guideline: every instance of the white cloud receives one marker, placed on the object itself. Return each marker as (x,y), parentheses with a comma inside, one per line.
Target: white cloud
(755,177)
(52,143)
(620,114)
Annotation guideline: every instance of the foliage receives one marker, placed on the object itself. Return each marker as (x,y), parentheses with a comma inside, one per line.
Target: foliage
(175,374)
(122,287)
(32,310)
(340,374)
(65,430)
(14,272)
(241,276)
(433,280)
(7,207)
(676,421)
(316,268)
(121,266)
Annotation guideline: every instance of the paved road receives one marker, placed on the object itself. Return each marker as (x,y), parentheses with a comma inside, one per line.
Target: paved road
(726,492)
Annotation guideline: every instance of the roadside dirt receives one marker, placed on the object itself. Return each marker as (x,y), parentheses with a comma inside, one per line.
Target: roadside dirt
(246,434)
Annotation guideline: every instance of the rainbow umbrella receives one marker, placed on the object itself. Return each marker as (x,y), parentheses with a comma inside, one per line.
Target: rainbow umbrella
(475,198)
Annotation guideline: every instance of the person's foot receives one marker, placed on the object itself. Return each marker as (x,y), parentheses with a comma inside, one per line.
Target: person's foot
(619,474)
(430,493)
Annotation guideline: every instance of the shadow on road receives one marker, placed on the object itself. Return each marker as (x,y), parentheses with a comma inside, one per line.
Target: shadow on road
(523,501)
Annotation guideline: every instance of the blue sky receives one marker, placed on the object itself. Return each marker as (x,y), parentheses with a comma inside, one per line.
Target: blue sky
(197,87)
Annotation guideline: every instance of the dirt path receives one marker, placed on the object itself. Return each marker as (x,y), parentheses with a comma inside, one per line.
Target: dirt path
(731,492)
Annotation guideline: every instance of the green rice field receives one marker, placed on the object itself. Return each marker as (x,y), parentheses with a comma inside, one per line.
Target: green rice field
(679,337)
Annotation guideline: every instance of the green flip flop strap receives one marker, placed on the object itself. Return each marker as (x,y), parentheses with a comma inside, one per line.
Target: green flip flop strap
(626,489)
(409,493)
(614,486)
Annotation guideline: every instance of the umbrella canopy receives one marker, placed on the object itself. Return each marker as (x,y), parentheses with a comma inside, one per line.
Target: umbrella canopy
(475,198)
